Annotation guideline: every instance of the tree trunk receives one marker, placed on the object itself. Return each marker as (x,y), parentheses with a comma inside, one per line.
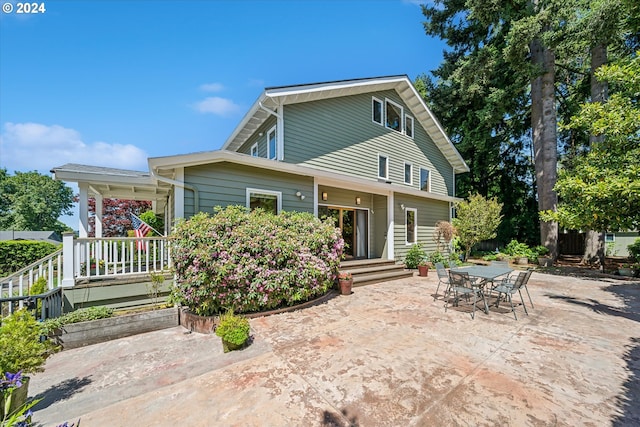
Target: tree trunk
(543,127)
(594,249)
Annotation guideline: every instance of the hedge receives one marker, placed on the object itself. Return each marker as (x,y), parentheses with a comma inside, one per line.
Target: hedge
(17,254)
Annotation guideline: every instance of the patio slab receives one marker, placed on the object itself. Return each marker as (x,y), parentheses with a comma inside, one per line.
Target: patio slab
(386,355)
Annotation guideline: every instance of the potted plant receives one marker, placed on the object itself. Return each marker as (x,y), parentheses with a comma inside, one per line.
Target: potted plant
(22,350)
(519,251)
(626,270)
(543,259)
(415,255)
(423,268)
(345,280)
(233,330)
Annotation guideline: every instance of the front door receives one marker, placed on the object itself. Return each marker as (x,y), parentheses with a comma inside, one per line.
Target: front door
(354,226)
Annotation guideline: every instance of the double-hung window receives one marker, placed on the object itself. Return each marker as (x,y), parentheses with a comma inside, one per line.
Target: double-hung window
(425,179)
(408,173)
(269,201)
(411,217)
(272,144)
(383,166)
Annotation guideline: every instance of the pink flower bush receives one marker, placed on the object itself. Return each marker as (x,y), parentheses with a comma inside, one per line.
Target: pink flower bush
(253,261)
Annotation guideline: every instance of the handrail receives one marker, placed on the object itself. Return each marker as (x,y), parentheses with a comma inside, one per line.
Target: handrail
(31,266)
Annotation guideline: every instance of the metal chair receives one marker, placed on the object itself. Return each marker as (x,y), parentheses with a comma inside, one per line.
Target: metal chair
(508,287)
(443,279)
(460,284)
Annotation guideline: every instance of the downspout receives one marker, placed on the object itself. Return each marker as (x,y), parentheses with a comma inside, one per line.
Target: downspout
(196,195)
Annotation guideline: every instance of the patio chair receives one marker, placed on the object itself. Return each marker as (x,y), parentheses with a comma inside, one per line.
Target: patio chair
(443,279)
(460,284)
(508,287)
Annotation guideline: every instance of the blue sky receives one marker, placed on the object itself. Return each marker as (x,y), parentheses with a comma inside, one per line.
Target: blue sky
(110,83)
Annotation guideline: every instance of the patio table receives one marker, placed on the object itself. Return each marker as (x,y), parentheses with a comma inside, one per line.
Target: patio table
(486,272)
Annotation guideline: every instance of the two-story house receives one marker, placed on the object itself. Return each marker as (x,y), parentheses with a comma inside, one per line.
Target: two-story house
(367,152)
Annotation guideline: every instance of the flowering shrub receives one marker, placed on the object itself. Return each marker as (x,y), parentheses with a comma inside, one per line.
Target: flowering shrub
(253,261)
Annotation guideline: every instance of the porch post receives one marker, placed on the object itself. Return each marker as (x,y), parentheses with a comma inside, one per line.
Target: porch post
(315,196)
(67,260)
(83,202)
(98,222)
(390,226)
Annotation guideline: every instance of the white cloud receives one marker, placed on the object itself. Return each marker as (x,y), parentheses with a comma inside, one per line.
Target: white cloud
(212,87)
(217,105)
(34,146)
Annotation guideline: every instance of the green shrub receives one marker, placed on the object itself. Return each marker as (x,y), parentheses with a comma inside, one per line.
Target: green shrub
(232,328)
(517,249)
(634,250)
(80,315)
(253,261)
(20,346)
(415,255)
(540,251)
(17,254)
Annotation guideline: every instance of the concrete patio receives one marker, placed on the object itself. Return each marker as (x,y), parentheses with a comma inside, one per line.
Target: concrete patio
(387,355)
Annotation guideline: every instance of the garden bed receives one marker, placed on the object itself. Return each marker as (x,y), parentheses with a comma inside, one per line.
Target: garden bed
(80,334)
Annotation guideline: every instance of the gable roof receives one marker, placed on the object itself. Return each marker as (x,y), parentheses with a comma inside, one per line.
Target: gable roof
(272,97)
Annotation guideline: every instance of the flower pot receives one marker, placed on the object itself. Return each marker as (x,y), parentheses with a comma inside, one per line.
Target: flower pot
(545,261)
(522,260)
(18,397)
(423,270)
(228,346)
(345,286)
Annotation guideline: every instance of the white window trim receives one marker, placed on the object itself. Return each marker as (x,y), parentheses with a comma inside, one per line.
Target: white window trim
(278,195)
(415,226)
(609,237)
(401,115)
(381,122)
(386,166)
(404,172)
(254,150)
(406,116)
(269,154)
(428,181)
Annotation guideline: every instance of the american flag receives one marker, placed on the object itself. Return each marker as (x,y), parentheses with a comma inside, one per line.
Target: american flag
(141,228)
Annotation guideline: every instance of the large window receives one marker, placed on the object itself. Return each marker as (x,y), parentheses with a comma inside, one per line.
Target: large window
(383,167)
(425,179)
(269,201)
(408,173)
(412,225)
(376,110)
(393,115)
(272,144)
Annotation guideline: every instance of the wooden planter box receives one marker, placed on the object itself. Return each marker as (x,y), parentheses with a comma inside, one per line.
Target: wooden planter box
(85,333)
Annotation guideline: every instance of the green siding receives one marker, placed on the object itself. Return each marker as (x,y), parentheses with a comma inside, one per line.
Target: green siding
(429,212)
(338,134)
(379,227)
(622,240)
(261,140)
(224,184)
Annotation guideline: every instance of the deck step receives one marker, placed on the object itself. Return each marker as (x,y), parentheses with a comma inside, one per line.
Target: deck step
(370,271)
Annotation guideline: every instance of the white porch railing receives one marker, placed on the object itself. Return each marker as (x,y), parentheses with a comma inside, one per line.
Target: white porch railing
(88,259)
(19,283)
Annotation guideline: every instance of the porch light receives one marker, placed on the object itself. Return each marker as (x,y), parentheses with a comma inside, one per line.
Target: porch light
(325,196)
(358,200)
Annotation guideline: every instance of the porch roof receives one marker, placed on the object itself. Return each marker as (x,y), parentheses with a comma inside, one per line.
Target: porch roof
(273,97)
(114,183)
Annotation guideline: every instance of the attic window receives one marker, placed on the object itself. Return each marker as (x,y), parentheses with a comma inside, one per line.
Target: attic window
(393,115)
(272,144)
(408,126)
(376,111)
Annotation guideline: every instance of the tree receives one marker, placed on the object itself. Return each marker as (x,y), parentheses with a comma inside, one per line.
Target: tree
(476,220)
(116,218)
(31,201)
(602,190)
